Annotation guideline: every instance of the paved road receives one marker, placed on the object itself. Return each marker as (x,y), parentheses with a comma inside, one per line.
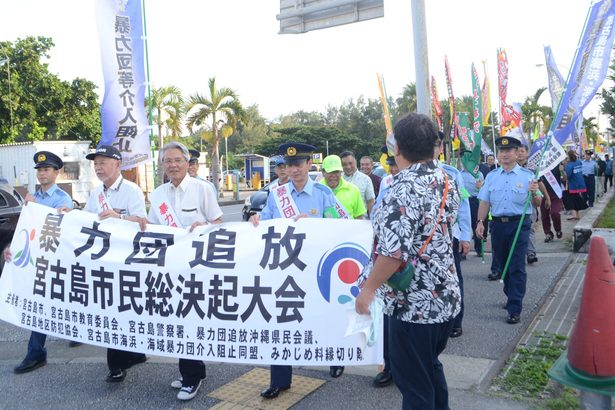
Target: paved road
(74,378)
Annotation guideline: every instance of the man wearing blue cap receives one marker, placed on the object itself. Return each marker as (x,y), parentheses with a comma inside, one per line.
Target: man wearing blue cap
(47,165)
(505,192)
(299,198)
(193,168)
(281,172)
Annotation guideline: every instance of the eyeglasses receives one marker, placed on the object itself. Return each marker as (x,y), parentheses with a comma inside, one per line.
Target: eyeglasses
(176,161)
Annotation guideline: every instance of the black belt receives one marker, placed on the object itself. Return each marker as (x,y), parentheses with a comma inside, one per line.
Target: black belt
(505,219)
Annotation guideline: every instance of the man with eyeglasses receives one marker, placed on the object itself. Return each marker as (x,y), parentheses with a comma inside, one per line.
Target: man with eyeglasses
(188,202)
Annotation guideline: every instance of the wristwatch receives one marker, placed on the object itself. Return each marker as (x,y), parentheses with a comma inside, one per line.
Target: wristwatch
(122,216)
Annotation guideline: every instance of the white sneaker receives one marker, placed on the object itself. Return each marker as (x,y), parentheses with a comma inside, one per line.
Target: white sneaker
(177,384)
(188,392)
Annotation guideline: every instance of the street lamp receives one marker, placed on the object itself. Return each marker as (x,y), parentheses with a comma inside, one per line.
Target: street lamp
(8,69)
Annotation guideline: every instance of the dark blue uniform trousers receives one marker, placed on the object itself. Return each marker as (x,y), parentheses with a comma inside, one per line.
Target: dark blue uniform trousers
(514,283)
(474,217)
(36,346)
(590,184)
(281,376)
(459,317)
(417,371)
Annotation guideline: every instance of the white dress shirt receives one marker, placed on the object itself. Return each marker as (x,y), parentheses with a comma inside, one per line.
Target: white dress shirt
(364,183)
(192,200)
(125,197)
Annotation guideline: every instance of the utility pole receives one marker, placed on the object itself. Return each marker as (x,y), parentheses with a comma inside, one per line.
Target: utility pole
(421,58)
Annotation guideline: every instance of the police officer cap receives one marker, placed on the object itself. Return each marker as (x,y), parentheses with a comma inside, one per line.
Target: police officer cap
(295,152)
(194,156)
(279,160)
(44,159)
(589,152)
(390,160)
(507,142)
(108,151)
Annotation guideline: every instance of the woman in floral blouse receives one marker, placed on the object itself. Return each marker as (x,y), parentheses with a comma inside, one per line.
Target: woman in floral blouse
(421,315)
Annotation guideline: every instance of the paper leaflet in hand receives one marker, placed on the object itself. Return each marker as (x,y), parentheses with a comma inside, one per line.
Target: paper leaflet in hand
(365,325)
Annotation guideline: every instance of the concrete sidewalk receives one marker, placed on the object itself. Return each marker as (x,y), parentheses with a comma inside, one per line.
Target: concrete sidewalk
(74,377)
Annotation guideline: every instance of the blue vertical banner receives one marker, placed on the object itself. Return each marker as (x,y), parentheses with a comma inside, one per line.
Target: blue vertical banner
(123,117)
(588,70)
(557,84)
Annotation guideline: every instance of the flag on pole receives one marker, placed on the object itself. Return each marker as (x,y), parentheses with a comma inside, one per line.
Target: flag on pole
(469,159)
(451,99)
(510,118)
(486,97)
(389,139)
(123,118)
(556,81)
(436,103)
(588,70)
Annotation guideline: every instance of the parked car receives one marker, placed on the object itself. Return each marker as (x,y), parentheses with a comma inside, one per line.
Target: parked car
(10,208)
(255,203)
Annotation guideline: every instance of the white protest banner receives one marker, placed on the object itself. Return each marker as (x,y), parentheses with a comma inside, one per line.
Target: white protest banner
(553,156)
(278,293)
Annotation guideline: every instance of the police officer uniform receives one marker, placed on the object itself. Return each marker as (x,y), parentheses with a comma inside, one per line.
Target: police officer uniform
(194,159)
(53,197)
(506,193)
(314,200)
(125,198)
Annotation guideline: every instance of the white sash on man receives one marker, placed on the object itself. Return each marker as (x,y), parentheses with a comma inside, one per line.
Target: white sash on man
(101,201)
(285,202)
(341,210)
(162,206)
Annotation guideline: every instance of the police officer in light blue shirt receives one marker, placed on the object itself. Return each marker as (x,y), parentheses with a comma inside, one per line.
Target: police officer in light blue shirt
(47,165)
(505,192)
(313,201)
(590,168)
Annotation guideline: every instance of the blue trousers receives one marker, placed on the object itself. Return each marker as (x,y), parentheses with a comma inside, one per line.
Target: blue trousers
(281,376)
(590,184)
(474,216)
(516,276)
(417,371)
(36,346)
(459,317)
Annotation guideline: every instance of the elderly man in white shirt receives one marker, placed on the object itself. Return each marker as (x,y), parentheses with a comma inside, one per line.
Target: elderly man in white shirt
(119,198)
(190,202)
(362,181)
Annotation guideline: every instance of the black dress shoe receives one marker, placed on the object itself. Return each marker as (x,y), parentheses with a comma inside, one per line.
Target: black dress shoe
(494,276)
(513,319)
(532,259)
(136,360)
(116,376)
(273,392)
(383,379)
(336,371)
(28,365)
(456,332)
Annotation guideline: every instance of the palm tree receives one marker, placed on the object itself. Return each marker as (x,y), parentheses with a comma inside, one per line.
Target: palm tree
(406,102)
(167,113)
(218,109)
(590,126)
(534,113)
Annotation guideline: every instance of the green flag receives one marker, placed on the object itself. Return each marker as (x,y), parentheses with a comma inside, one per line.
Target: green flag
(471,157)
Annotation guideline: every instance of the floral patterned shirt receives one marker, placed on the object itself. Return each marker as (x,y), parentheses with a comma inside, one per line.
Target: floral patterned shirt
(402,224)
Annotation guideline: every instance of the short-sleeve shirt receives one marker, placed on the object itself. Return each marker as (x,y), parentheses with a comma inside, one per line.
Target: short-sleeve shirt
(54,197)
(315,200)
(506,191)
(350,197)
(376,180)
(589,167)
(193,200)
(364,183)
(469,182)
(402,223)
(125,197)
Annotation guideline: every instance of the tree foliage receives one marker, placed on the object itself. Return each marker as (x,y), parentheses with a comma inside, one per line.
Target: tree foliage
(43,106)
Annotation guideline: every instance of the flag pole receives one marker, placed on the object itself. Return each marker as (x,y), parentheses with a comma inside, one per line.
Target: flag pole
(149,96)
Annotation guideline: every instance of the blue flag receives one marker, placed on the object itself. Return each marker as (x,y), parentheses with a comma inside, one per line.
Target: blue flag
(588,71)
(124,122)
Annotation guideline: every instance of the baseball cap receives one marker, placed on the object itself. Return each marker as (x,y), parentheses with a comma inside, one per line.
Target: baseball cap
(332,163)
(108,151)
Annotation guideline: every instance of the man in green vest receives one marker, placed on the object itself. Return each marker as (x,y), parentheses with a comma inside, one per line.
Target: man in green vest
(348,197)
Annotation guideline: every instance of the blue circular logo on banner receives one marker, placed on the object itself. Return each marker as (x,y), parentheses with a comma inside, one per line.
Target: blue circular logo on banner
(341,267)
